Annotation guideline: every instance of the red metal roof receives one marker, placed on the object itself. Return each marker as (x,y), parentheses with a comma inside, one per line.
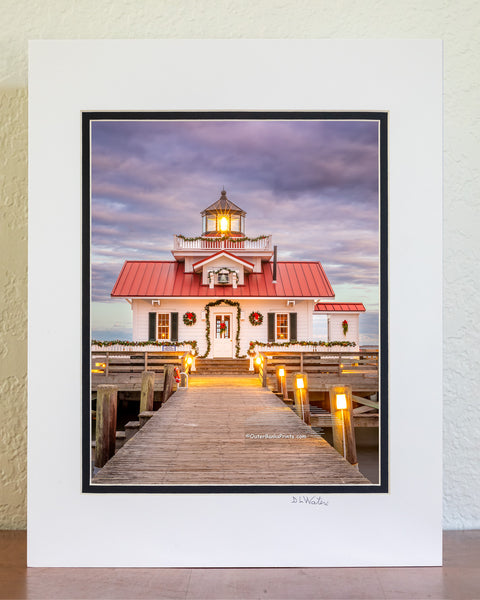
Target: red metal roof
(221,253)
(339,307)
(158,279)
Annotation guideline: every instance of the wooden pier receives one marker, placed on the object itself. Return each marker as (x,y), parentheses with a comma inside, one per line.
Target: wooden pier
(227,430)
(125,369)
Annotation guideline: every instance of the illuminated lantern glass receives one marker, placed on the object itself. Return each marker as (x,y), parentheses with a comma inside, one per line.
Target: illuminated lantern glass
(189,360)
(224,224)
(258,360)
(341,401)
(281,372)
(300,383)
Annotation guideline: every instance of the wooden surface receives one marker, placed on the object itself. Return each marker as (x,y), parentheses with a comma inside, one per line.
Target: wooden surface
(212,434)
(458,579)
(324,369)
(126,382)
(146,395)
(342,424)
(106,420)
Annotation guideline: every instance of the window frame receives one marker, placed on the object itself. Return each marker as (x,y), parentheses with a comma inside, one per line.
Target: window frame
(279,339)
(211,223)
(168,338)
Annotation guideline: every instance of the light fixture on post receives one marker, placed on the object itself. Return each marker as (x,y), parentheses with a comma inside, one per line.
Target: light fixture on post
(282,381)
(257,363)
(302,404)
(343,430)
(341,401)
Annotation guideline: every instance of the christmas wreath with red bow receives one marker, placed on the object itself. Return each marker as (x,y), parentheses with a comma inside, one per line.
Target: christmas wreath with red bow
(255,318)
(189,318)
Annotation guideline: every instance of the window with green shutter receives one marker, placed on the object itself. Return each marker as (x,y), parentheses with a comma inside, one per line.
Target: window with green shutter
(271,326)
(293,327)
(152,326)
(174,326)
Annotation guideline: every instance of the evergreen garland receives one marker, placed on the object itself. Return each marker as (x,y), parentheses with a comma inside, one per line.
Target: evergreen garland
(251,348)
(222,238)
(192,343)
(207,326)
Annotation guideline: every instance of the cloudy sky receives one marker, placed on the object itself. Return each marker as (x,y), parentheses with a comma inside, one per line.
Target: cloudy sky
(312,184)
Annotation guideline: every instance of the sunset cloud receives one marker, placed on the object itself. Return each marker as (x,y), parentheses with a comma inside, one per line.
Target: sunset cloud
(312,184)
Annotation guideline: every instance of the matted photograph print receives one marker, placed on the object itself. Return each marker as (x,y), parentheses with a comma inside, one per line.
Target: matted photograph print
(235,302)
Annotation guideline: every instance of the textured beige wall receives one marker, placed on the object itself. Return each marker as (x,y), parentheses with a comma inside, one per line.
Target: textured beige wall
(457,22)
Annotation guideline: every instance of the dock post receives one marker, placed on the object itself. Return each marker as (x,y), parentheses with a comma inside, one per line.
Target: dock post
(264,371)
(342,422)
(167,382)
(188,361)
(106,424)
(282,381)
(146,395)
(302,402)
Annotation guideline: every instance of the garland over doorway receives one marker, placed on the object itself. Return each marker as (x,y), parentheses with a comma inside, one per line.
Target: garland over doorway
(207,328)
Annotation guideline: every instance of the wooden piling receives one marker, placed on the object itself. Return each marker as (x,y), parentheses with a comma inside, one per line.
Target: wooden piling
(265,371)
(168,381)
(282,382)
(146,395)
(106,424)
(342,424)
(302,402)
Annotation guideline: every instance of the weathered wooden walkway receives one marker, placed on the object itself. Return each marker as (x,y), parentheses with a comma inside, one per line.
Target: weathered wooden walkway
(227,431)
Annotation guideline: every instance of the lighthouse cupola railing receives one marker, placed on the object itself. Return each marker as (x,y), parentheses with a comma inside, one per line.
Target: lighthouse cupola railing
(223,228)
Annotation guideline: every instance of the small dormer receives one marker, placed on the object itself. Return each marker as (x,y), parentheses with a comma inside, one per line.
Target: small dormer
(223,218)
(223,269)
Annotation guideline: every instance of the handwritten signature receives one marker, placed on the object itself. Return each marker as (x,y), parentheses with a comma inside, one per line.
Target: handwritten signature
(318,500)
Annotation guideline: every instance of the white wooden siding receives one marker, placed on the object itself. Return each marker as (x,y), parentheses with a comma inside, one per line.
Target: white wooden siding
(248,332)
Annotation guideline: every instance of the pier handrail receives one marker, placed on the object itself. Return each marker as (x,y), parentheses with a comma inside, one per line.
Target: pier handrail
(108,362)
(323,367)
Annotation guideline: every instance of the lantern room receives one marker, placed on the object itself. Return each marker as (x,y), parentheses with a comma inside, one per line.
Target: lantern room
(223,218)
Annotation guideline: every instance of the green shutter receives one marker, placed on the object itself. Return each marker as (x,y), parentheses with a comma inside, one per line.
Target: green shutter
(293,327)
(174,327)
(271,327)
(152,326)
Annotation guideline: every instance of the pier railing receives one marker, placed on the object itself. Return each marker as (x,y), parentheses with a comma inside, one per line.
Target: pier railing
(324,369)
(110,362)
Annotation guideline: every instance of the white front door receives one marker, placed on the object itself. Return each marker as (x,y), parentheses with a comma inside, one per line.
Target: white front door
(222,335)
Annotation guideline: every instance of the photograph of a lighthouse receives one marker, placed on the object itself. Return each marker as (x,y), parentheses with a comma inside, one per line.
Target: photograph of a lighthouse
(236,294)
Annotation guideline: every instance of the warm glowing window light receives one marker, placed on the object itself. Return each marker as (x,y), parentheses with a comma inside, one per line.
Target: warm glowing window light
(300,383)
(100,365)
(223,224)
(281,372)
(341,401)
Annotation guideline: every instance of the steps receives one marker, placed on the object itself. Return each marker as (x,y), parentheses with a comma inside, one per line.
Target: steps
(222,366)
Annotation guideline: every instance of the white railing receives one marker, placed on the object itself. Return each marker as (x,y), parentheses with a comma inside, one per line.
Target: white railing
(215,244)
(295,348)
(141,348)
